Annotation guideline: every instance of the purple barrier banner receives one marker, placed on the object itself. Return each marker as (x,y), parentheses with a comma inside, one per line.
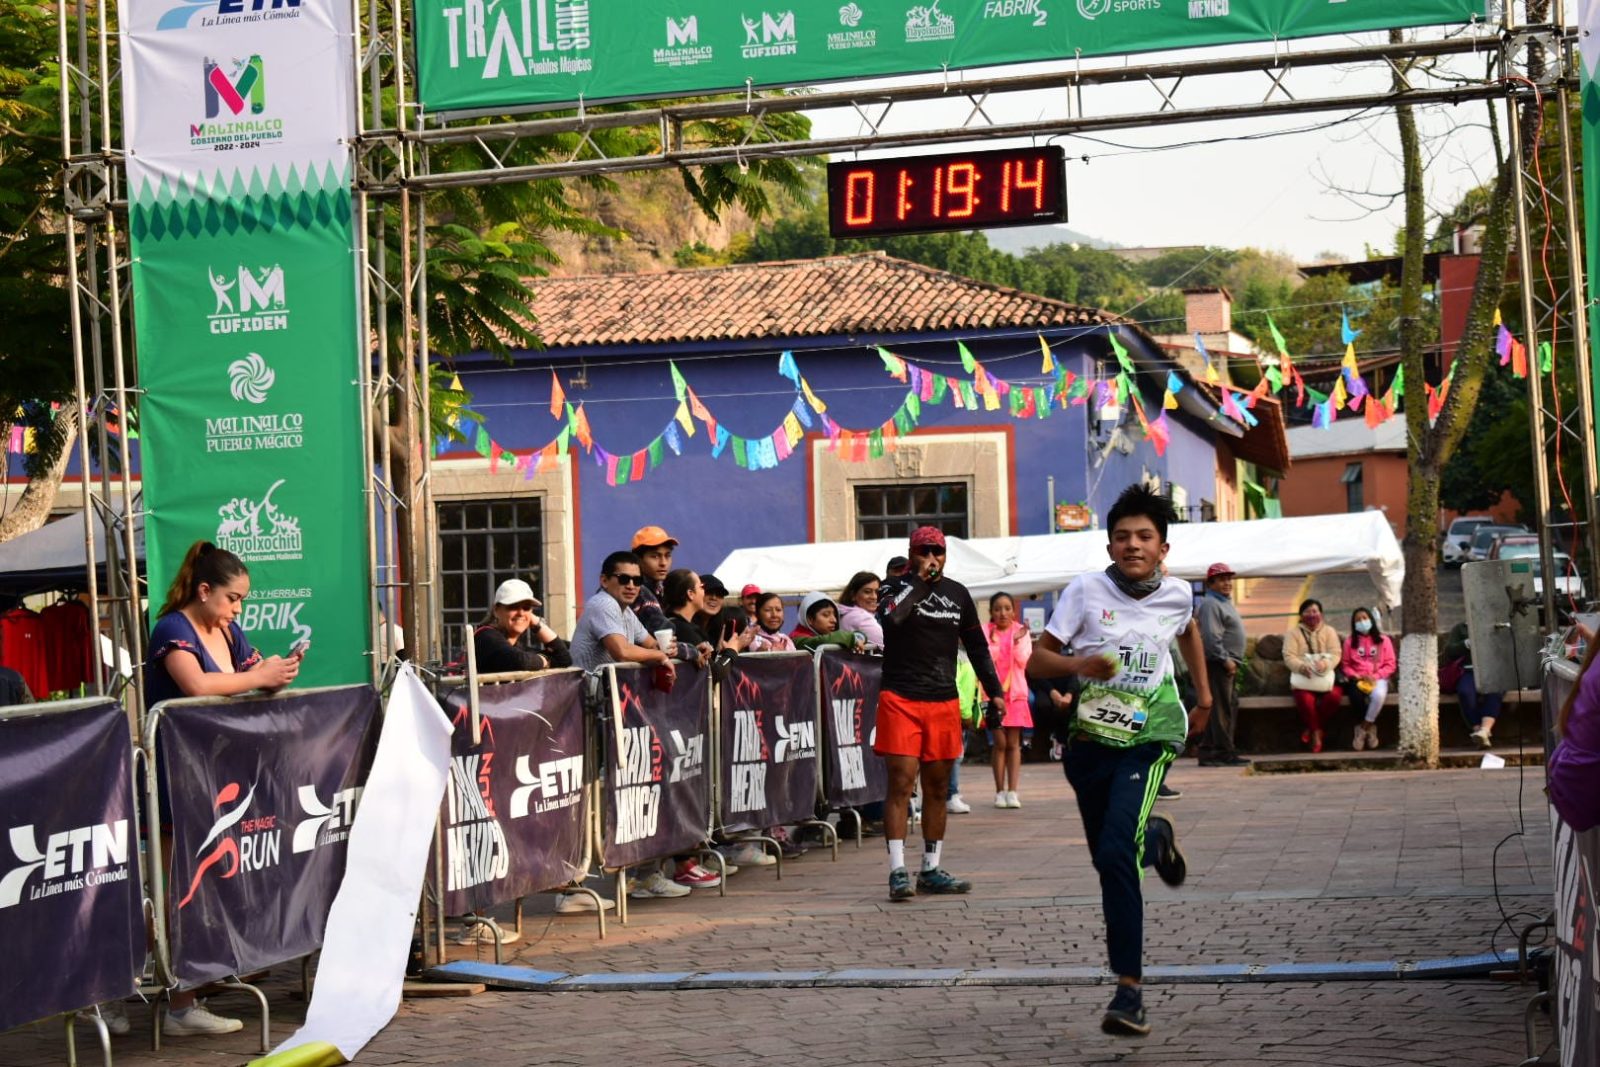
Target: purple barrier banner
(1577,958)
(513,813)
(769,740)
(70,916)
(263,793)
(852,774)
(657,798)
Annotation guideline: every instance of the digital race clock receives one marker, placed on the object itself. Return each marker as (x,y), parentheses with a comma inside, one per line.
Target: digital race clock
(955,191)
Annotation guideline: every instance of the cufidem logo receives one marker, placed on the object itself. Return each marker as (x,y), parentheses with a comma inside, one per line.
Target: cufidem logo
(178,16)
(247,86)
(227,847)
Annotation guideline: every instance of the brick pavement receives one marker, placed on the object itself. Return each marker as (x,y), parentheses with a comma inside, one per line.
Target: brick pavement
(1351,866)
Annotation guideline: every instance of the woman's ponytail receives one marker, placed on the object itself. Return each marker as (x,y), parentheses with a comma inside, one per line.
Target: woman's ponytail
(204,563)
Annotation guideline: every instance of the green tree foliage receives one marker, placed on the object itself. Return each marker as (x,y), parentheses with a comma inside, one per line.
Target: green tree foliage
(35,345)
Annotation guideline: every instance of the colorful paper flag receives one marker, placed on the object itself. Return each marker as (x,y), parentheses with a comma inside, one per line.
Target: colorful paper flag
(679,386)
(1346,334)
(787,367)
(967,362)
(1123,359)
(1048,364)
(558,397)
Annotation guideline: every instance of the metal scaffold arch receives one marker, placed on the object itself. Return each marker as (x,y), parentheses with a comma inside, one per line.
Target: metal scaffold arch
(1530,51)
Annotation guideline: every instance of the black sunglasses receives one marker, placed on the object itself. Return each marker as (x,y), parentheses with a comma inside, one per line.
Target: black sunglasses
(628,579)
(927,550)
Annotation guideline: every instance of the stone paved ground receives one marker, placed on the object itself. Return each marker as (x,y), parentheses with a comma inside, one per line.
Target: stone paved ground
(1352,866)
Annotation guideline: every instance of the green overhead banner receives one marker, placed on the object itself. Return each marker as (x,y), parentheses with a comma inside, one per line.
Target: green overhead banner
(487,54)
(1589,46)
(238,118)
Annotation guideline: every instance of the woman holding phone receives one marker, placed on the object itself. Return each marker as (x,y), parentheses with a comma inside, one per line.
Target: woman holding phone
(198,649)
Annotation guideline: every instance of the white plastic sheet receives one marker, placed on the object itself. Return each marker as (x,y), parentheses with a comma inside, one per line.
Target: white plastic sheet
(1044,563)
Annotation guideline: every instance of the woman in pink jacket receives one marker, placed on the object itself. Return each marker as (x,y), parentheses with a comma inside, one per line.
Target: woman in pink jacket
(1367,665)
(1010,645)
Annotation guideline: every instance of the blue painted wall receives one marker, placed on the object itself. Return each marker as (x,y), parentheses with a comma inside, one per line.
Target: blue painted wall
(714,506)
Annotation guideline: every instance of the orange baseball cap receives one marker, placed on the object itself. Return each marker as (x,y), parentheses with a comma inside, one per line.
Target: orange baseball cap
(653,537)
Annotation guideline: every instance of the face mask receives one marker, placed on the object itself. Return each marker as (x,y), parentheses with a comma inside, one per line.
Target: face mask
(1364,626)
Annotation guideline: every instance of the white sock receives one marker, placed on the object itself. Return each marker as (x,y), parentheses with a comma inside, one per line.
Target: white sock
(930,854)
(897,855)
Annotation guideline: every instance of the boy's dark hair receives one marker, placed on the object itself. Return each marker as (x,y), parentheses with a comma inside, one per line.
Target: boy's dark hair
(609,567)
(1141,500)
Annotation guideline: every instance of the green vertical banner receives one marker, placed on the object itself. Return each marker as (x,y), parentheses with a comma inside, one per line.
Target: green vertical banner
(1589,50)
(238,115)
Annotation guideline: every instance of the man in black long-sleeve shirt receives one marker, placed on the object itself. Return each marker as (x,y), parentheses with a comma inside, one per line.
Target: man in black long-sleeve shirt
(925,616)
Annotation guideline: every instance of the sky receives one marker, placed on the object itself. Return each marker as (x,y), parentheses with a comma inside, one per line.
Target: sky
(1278,193)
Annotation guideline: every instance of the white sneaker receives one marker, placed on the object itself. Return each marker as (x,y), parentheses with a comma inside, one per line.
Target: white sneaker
(115,1018)
(748,854)
(198,1020)
(1481,738)
(478,934)
(1012,801)
(655,884)
(580,903)
(956,806)
(1000,801)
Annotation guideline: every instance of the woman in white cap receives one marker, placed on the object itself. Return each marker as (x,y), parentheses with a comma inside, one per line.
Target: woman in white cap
(514,638)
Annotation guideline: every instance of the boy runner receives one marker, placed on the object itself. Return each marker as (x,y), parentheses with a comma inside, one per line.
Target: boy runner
(1128,723)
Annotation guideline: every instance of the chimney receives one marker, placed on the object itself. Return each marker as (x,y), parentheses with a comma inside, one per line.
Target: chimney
(1208,311)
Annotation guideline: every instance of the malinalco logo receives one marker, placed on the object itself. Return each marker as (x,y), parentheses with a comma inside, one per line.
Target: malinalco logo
(850,16)
(234,90)
(246,87)
(226,13)
(250,378)
(683,47)
(252,301)
(257,530)
(68,861)
(773,34)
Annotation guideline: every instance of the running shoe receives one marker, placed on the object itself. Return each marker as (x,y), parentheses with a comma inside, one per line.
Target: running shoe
(655,884)
(1012,800)
(1165,856)
(1126,1013)
(940,880)
(581,903)
(1167,792)
(900,887)
(748,854)
(1000,800)
(114,1016)
(479,934)
(956,806)
(697,877)
(197,1020)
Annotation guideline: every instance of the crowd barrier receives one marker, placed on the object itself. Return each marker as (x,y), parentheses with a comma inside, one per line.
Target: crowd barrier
(260,793)
(1575,995)
(253,798)
(661,773)
(70,885)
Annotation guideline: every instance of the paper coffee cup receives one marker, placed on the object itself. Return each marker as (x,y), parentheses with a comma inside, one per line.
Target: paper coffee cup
(665,641)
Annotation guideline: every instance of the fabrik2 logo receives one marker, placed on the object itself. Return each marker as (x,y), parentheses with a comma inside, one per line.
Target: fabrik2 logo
(245,87)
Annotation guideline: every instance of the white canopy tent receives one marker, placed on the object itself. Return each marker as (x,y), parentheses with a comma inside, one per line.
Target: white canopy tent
(1044,563)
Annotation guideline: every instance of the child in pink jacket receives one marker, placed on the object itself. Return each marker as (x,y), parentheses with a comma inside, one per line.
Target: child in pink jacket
(1367,665)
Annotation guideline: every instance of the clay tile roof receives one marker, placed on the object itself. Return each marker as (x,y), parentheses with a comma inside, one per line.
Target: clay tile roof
(840,295)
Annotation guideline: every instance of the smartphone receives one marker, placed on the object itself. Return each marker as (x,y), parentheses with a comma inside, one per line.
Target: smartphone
(299,647)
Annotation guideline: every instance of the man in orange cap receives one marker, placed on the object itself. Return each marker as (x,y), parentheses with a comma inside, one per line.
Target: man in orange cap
(653,546)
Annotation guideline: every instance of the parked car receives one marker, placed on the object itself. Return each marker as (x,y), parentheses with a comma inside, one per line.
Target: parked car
(1569,583)
(1456,539)
(1514,546)
(1483,539)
